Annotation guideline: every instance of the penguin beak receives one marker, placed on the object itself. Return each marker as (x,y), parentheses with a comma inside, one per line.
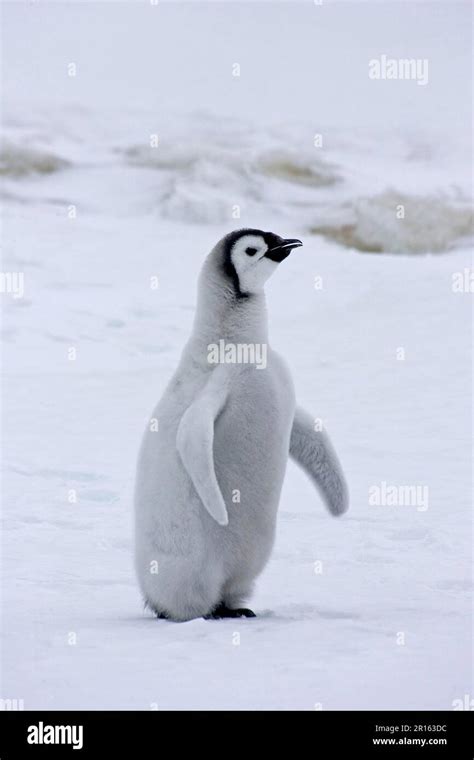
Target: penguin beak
(282,249)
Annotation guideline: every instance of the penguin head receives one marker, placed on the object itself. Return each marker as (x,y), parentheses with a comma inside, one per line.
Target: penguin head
(250,256)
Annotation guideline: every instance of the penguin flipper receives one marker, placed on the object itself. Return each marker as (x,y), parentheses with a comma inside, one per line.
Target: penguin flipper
(194,441)
(313,452)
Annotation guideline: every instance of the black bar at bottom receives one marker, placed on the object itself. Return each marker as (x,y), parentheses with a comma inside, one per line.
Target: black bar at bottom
(103,734)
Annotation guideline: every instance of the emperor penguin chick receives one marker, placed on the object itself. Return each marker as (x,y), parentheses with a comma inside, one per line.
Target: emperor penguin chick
(209,480)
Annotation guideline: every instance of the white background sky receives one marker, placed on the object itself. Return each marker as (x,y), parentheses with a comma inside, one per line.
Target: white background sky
(298,60)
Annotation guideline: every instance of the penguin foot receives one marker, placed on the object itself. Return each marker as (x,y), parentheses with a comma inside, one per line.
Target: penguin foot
(221,611)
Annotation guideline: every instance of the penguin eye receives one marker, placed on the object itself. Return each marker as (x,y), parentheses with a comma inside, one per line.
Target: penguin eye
(250,251)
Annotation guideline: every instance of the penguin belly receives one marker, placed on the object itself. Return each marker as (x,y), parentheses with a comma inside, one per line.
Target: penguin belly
(251,444)
(186,563)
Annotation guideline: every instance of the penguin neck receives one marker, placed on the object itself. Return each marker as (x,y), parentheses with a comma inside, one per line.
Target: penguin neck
(221,315)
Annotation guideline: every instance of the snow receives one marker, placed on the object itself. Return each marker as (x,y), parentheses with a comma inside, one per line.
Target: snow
(369,611)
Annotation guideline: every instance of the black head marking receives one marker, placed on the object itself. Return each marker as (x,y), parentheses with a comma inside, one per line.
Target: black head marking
(270,239)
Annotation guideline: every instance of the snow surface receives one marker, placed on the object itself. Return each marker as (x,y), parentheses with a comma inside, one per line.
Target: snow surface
(370,611)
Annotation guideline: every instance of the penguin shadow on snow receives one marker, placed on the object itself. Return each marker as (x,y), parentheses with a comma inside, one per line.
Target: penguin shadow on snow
(294,613)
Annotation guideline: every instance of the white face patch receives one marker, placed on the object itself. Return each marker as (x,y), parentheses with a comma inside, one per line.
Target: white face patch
(248,257)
